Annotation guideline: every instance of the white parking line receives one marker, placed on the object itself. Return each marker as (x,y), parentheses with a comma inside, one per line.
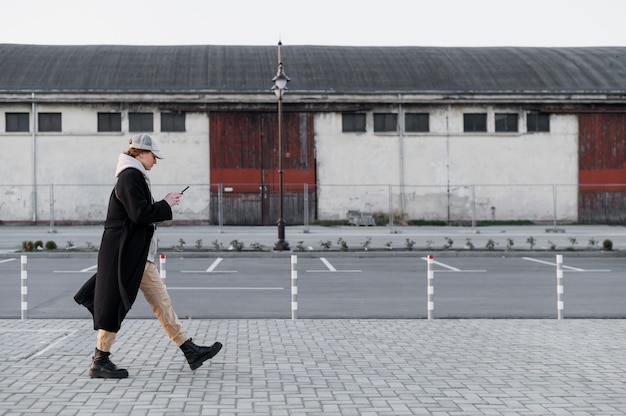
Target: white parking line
(454,269)
(331,268)
(211,268)
(569,268)
(225,288)
(451,268)
(6,260)
(90,269)
(215,264)
(327,263)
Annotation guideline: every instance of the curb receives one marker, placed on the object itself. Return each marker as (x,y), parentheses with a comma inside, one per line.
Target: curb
(337,253)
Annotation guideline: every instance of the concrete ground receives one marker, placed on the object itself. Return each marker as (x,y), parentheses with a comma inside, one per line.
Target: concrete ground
(322,367)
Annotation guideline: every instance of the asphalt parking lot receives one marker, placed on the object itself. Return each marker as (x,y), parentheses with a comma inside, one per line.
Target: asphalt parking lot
(340,287)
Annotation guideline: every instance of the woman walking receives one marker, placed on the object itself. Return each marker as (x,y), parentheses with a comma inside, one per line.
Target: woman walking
(126,261)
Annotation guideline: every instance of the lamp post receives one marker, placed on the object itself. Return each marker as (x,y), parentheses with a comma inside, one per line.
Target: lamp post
(279,88)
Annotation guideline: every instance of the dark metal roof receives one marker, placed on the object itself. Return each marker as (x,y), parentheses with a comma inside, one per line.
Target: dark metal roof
(312,69)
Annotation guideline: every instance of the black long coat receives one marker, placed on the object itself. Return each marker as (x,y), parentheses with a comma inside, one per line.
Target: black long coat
(128,229)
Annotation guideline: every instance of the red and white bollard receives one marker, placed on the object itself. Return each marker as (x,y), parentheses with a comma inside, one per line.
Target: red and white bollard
(162,270)
(559,286)
(294,287)
(431,288)
(24,286)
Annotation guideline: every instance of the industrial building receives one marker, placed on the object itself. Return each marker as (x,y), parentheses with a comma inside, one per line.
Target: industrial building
(419,133)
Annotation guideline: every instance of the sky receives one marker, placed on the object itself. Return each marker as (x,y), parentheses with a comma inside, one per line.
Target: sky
(548,23)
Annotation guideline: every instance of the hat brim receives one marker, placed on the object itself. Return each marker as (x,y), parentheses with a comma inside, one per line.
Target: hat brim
(158,154)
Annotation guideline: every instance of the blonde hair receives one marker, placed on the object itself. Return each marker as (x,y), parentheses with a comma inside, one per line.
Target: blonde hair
(135,152)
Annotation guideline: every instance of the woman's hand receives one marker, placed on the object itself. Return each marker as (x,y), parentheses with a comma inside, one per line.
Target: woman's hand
(173,198)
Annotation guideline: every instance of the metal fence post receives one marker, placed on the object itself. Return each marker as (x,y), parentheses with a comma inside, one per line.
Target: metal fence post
(24,286)
(559,286)
(391,225)
(554,204)
(52,229)
(294,287)
(473,207)
(554,210)
(220,207)
(306,207)
(431,288)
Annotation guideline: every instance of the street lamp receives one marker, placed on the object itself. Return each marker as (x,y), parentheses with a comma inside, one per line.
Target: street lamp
(279,88)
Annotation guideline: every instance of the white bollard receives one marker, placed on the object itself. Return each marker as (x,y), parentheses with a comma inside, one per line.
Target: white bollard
(431,288)
(24,276)
(559,286)
(162,270)
(294,286)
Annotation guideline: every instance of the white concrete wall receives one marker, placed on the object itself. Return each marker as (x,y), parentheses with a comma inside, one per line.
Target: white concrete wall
(80,162)
(441,175)
(448,173)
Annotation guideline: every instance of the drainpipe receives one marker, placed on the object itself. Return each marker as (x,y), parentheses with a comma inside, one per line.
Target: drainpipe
(401,149)
(34,145)
(448,161)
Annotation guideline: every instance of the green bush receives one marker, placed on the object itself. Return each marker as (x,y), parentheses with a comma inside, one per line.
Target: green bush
(486,223)
(607,245)
(237,245)
(332,223)
(380,218)
(51,245)
(427,222)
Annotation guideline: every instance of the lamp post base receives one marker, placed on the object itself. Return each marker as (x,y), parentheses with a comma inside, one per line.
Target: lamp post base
(281,244)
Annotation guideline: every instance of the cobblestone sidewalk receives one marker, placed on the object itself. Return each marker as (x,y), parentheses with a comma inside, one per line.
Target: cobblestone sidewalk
(322,367)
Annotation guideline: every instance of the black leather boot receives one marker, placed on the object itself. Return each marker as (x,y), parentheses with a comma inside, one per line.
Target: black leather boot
(197,354)
(102,367)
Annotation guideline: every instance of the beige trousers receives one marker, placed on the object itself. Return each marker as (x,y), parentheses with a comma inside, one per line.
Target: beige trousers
(159,300)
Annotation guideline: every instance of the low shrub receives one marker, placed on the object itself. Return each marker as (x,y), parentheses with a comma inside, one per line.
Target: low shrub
(486,223)
(332,223)
(427,223)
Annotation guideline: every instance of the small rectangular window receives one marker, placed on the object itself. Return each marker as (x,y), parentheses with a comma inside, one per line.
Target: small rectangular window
(416,122)
(506,122)
(537,122)
(109,122)
(353,122)
(385,122)
(17,122)
(172,121)
(49,122)
(475,122)
(140,122)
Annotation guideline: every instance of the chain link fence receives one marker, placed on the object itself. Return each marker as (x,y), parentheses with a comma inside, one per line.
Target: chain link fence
(257,204)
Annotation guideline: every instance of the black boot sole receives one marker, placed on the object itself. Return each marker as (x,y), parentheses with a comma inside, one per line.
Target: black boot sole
(108,374)
(196,364)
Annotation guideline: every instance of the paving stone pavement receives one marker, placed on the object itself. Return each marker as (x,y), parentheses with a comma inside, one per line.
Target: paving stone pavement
(322,367)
